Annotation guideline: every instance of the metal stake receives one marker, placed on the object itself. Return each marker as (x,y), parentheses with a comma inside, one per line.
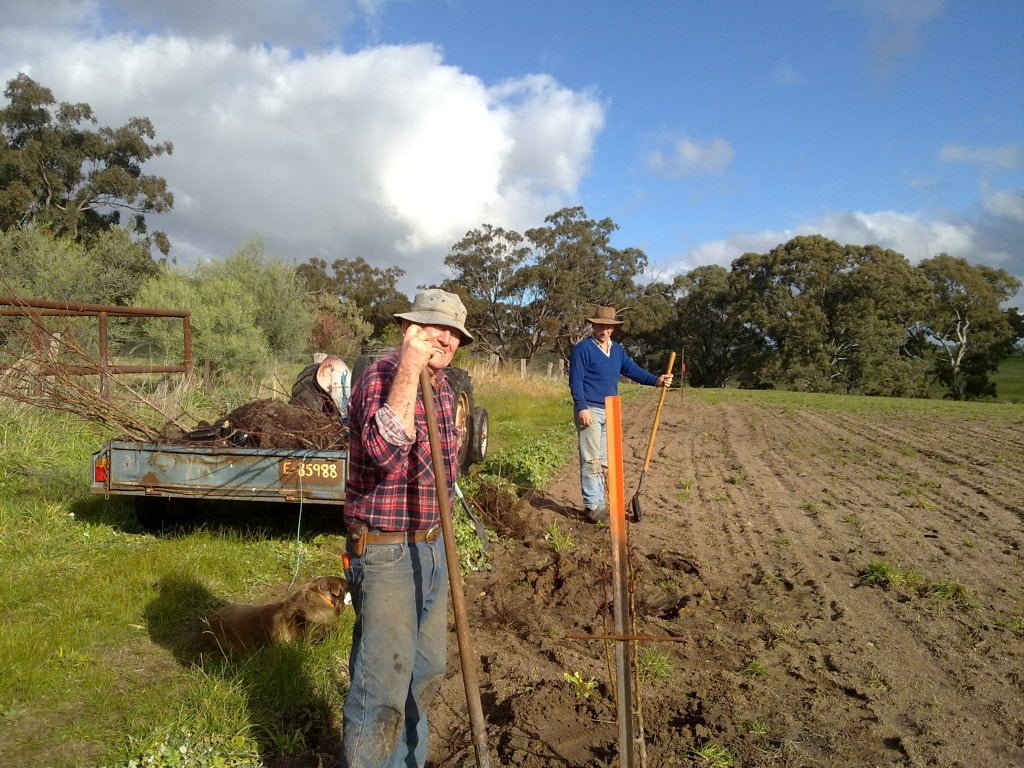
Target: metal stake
(620,580)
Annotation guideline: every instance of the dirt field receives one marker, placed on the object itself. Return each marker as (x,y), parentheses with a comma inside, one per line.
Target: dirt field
(759,526)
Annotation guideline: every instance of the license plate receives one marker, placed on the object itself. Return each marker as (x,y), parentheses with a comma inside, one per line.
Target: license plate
(311,472)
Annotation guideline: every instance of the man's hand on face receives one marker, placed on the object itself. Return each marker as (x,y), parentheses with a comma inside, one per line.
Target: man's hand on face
(431,345)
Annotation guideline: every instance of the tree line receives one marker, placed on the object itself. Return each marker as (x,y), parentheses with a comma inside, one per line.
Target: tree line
(811,314)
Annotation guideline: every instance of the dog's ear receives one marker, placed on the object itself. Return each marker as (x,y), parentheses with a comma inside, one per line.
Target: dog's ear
(337,586)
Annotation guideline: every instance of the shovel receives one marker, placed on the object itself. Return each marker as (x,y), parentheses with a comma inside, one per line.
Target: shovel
(634,504)
(467,656)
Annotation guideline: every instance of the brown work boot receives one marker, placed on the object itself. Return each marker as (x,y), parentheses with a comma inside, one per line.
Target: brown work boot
(596,516)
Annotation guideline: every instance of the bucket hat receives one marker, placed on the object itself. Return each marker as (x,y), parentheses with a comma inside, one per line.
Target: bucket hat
(436,307)
(604,316)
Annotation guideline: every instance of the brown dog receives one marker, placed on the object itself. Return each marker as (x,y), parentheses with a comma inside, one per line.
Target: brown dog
(247,627)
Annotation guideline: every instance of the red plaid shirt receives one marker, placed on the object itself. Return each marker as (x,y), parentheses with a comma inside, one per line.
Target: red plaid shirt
(391,487)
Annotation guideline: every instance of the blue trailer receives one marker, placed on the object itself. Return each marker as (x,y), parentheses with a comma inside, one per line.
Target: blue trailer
(157,474)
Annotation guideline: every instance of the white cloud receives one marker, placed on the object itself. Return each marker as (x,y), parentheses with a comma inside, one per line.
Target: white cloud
(895,28)
(691,157)
(1007,156)
(786,74)
(1007,204)
(981,241)
(300,23)
(387,153)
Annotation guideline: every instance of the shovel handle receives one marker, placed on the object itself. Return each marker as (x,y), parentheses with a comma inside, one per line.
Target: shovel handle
(467,656)
(657,414)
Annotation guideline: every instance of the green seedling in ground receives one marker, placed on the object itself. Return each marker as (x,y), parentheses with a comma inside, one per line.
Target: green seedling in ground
(736,478)
(811,508)
(882,573)
(770,581)
(758,727)
(582,688)
(562,541)
(953,592)
(714,756)
(876,683)
(1016,623)
(684,487)
(653,664)
(755,668)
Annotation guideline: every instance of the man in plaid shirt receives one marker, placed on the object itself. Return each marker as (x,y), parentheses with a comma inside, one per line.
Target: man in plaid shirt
(395,562)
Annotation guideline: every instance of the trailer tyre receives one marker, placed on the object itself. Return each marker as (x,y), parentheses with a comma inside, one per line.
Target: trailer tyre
(478,444)
(159,513)
(459,381)
(153,512)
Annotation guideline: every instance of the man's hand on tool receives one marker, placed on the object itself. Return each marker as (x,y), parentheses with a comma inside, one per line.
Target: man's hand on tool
(665,380)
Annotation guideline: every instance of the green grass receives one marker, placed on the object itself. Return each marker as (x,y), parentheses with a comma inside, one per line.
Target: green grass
(102,621)
(713,755)
(859,404)
(519,410)
(885,574)
(1009,379)
(653,664)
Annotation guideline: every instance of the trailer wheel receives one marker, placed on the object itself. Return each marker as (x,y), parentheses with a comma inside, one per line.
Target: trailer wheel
(153,512)
(459,381)
(478,443)
(159,513)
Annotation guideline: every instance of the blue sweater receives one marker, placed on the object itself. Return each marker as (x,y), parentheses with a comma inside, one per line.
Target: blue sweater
(593,376)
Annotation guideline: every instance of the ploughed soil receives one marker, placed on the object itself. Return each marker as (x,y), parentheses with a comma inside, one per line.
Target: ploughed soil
(763,529)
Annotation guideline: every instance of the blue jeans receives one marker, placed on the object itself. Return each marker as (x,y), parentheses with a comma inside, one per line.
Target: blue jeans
(399,648)
(593,459)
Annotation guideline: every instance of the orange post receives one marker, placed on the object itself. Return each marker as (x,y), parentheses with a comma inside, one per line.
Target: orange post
(620,579)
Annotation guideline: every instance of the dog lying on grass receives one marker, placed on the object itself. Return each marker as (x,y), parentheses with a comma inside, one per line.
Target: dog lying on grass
(248,627)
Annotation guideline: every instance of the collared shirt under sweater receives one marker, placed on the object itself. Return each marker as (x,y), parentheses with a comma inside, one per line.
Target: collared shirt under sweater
(391,486)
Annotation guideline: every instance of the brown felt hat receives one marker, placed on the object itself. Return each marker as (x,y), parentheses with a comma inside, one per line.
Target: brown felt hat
(604,316)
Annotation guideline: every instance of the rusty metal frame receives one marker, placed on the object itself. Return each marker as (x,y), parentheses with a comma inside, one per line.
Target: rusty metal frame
(35,308)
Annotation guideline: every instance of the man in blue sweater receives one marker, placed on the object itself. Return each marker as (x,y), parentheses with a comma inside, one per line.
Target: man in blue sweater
(595,366)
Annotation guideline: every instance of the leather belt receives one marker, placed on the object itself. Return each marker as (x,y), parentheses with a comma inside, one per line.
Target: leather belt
(402,537)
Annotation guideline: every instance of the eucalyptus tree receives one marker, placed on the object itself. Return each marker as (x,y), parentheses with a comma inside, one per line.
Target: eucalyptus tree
(60,173)
(964,320)
(575,267)
(486,265)
(837,317)
(372,289)
(720,347)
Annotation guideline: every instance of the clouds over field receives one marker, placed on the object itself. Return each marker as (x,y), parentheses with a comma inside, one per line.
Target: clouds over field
(284,127)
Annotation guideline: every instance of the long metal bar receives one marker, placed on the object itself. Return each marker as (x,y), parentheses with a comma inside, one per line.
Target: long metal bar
(92,370)
(644,638)
(620,580)
(467,656)
(78,308)
(22,307)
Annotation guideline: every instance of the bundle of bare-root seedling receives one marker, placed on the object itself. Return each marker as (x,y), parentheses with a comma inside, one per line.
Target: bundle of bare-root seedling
(47,362)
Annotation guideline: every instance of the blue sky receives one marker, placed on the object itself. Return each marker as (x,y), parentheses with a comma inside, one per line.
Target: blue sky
(388,128)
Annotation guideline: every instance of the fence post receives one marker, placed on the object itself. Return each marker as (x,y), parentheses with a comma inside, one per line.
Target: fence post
(104,353)
(522,368)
